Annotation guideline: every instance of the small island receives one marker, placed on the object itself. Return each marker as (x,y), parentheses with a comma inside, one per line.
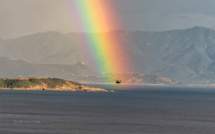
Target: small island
(46,84)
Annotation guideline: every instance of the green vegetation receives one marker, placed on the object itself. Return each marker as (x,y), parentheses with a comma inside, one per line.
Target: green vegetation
(31,82)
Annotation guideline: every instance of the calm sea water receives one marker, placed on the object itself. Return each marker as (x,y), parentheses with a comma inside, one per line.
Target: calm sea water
(131,110)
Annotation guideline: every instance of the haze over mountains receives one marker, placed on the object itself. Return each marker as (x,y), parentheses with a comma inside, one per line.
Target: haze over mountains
(183,55)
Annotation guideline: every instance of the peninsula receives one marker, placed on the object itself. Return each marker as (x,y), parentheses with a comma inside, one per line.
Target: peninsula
(52,84)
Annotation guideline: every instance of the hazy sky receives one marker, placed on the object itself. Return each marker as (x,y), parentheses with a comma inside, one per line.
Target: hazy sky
(21,17)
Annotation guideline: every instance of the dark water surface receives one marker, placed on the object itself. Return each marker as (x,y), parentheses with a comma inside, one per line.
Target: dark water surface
(131,110)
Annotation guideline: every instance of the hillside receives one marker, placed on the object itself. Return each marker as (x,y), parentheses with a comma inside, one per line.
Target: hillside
(36,83)
(17,68)
(181,55)
(56,48)
(78,72)
(186,55)
(48,47)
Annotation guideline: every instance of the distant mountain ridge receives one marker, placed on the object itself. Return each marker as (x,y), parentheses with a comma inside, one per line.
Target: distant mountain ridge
(17,69)
(186,55)
(43,48)
(179,54)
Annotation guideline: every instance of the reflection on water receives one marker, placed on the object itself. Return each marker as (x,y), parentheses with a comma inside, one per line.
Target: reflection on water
(131,110)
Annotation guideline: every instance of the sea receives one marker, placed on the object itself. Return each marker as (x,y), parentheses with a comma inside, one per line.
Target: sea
(132,109)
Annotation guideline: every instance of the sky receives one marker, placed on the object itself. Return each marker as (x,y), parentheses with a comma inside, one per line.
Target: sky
(23,17)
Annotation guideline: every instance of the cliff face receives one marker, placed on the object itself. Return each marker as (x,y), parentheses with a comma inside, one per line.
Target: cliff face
(45,84)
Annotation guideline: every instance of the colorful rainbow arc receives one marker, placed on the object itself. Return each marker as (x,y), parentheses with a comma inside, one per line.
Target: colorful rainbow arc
(99,15)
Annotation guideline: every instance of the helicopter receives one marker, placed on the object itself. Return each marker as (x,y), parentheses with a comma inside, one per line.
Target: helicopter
(118,81)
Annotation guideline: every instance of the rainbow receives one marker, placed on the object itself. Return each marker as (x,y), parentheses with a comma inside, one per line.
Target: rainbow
(99,16)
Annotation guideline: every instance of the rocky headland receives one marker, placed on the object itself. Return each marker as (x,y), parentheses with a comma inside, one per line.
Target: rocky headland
(52,84)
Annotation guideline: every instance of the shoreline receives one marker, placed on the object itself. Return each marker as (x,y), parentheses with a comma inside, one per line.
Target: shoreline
(134,84)
(185,85)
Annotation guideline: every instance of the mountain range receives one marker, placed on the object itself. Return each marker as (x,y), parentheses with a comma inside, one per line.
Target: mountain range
(182,55)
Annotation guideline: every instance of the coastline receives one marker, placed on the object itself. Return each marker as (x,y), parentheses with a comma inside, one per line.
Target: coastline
(130,84)
(45,84)
(90,89)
